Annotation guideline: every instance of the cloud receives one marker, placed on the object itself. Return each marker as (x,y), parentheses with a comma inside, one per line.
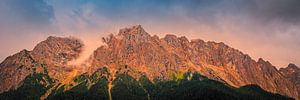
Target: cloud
(286,10)
(260,28)
(22,15)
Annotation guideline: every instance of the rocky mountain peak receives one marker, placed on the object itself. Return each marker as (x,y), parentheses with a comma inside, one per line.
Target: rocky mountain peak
(134,33)
(292,72)
(261,60)
(14,69)
(58,49)
(54,53)
(293,66)
(133,50)
(290,69)
(138,29)
(159,57)
(265,63)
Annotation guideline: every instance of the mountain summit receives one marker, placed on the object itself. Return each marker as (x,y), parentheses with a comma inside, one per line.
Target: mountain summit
(53,53)
(137,53)
(292,72)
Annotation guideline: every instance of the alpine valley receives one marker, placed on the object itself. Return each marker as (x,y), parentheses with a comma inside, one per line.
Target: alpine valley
(134,65)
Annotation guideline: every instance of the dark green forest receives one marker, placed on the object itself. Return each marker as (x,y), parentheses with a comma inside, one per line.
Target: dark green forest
(187,86)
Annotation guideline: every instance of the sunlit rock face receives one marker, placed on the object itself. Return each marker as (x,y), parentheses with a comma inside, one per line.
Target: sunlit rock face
(56,52)
(53,53)
(292,72)
(14,69)
(135,51)
(158,57)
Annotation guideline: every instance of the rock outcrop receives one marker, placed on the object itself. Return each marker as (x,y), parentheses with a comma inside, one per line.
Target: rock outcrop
(292,72)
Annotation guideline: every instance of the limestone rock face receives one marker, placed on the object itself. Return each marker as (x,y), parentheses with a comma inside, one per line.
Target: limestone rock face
(292,72)
(53,53)
(160,57)
(56,52)
(14,69)
(135,51)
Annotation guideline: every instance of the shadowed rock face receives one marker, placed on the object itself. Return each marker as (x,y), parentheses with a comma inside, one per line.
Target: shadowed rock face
(144,54)
(292,72)
(53,53)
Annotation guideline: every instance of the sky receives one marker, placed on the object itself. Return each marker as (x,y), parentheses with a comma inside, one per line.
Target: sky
(268,29)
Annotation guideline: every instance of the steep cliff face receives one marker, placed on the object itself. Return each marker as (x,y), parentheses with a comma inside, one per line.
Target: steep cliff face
(292,72)
(135,51)
(53,53)
(56,52)
(160,57)
(14,69)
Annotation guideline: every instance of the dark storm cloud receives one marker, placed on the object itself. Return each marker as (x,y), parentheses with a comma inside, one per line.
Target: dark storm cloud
(270,10)
(288,10)
(265,10)
(200,10)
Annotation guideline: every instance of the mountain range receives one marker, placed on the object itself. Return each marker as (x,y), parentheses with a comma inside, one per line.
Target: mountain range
(136,65)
